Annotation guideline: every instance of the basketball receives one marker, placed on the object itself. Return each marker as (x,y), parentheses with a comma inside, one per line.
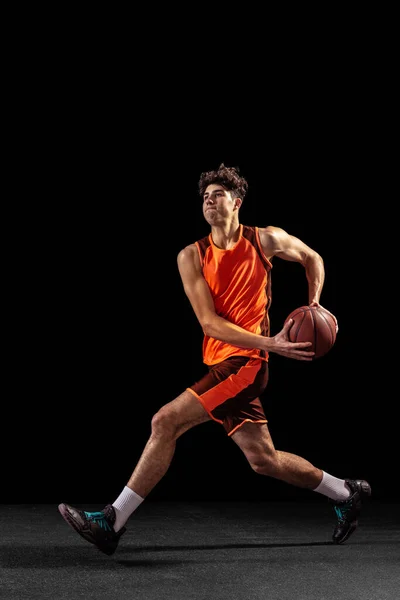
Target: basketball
(313,324)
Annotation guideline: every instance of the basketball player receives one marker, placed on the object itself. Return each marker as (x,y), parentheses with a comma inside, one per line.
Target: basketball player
(226,277)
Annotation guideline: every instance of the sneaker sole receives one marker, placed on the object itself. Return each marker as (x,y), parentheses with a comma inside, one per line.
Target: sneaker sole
(348,534)
(66,515)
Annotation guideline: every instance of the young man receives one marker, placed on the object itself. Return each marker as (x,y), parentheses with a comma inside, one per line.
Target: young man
(226,277)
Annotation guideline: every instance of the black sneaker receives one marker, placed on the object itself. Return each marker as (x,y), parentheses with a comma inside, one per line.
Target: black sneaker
(95,527)
(347,512)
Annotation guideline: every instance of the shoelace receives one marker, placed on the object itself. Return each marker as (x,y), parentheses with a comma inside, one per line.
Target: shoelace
(99,518)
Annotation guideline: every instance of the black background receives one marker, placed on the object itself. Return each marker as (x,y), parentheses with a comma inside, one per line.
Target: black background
(102,334)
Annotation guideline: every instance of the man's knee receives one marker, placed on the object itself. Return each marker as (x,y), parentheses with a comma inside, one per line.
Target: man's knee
(164,423)
(263,462)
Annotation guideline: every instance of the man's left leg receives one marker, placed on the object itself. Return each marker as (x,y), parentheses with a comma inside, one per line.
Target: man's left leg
(256,443)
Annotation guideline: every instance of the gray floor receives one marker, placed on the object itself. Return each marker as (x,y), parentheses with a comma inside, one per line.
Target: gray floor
(204,551)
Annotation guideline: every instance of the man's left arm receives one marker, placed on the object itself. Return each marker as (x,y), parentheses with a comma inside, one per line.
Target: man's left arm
(277,242)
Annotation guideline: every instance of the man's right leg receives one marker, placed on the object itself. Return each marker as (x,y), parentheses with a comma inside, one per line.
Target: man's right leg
(104,528)
(168,424)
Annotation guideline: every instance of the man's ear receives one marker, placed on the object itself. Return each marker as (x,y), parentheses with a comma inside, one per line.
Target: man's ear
(238,202)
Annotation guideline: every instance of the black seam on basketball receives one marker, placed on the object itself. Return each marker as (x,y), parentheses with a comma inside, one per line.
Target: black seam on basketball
(329,327)
(298,311)
(300,324)
(315,332)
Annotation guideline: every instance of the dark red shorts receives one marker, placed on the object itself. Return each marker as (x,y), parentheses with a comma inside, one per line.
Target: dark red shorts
(230,392)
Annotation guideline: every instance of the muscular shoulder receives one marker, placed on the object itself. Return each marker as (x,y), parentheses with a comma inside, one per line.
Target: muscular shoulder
(187,253)
(188,257)
(272,239)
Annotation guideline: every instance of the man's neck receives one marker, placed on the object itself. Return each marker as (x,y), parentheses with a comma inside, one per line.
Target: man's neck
(226,237)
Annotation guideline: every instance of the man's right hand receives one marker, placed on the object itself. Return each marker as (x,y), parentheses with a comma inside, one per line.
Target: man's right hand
(280,344)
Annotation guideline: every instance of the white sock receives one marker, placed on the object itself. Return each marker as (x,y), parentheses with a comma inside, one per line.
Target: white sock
(334,488)
(126,503)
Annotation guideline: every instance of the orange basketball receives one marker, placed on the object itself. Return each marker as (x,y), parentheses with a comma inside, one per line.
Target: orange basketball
(313,324)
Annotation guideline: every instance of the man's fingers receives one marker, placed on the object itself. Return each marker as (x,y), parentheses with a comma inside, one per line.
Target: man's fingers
(288,324)
(303,355)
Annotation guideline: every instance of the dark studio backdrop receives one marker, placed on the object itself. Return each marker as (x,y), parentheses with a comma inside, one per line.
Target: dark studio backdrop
(109,337)
(106,164)
(103,334)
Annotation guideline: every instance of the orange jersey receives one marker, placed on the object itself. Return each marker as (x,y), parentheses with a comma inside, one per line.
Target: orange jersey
(240,283)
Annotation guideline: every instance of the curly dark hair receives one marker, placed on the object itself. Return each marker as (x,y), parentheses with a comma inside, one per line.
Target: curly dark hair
(228,177)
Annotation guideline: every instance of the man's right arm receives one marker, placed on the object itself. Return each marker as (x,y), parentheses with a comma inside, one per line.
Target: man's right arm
(199,295)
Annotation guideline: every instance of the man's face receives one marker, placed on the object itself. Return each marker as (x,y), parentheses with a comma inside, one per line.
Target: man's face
(218,204)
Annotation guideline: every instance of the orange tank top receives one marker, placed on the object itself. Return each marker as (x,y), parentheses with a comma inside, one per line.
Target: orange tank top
(240,283)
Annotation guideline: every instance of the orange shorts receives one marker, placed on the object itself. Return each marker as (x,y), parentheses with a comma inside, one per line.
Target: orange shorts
(230,391)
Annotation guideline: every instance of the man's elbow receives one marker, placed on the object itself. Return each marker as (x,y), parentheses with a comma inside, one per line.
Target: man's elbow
(208,326)
(313,258)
